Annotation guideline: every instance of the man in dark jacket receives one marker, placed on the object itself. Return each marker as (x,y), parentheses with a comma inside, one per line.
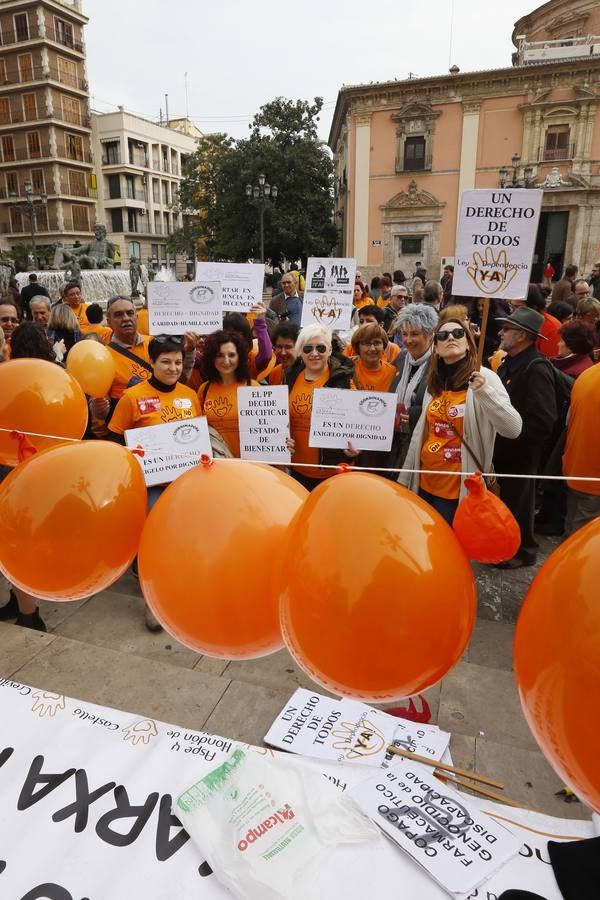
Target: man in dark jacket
(287,306)
(564,288)
(33,289)
(529,380)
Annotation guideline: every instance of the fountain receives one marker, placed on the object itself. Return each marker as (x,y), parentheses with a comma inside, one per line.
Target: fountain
(97,285)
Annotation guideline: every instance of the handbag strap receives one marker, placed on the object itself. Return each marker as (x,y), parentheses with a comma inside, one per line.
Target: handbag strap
(469,450)
(130,356)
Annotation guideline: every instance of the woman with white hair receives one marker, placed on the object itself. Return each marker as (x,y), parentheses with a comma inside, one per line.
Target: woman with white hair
(314,367)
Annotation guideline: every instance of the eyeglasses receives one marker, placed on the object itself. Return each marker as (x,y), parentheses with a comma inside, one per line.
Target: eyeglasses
(456,333)
(320,348)
(376,344)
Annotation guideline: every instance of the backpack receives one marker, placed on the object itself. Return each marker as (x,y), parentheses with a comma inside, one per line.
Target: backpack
(563,385)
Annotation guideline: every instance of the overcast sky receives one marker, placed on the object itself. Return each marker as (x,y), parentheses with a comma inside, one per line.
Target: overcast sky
(238,54)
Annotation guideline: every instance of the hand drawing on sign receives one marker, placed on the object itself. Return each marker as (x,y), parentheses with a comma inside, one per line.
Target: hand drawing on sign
(357,742)
(491,274)
(140,732)
(326,308)
(47,703)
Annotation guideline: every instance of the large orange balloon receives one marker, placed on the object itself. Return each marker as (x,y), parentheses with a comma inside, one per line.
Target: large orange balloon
(208,553)
(38,396)
(557,661)
(378,597)
(93,366)
(71,519)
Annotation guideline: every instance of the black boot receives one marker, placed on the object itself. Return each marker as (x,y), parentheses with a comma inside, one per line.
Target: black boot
(10,610)
(31,620)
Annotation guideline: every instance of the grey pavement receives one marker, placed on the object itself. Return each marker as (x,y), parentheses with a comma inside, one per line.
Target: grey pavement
(100,651)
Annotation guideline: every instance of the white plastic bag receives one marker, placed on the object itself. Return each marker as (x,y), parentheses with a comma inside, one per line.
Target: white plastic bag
(264,824)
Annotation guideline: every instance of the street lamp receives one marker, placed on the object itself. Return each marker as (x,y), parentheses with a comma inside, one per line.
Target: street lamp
(31,210)
(261,195)
(516,182)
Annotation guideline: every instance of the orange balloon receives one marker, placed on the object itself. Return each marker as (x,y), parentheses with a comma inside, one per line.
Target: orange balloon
(557,661)
(93,366)
(71,519)
(208,552)
(38,396)
(378,604)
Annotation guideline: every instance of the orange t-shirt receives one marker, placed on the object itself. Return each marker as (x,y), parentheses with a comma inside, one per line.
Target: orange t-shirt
(143,405)
(581,455)
(382,302)
(442,447)
(127,371)
(142,321)
(275,376)
(301,395)
(103,332)
(373,379)
(254,373)
(364,301)
(218,402)
(80,315)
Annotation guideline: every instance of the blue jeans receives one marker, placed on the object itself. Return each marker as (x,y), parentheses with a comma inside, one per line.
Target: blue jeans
(446,508)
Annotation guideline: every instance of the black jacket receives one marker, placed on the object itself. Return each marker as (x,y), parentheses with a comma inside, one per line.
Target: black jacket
(532,393)
(34,289)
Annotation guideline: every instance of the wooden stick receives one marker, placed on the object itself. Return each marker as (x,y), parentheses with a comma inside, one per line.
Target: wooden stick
(484,321)
(446,767)
(477,789)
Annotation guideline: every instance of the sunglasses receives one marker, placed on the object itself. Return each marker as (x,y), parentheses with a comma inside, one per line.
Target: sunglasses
(168,339)
(454,332)
(320,348)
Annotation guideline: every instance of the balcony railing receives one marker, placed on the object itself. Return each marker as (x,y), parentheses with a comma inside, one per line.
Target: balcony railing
(34,33)
(64,152)
(414,165)
(44,73)
(18,118)
(549,155)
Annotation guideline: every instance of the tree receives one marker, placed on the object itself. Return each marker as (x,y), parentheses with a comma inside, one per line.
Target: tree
(284,145)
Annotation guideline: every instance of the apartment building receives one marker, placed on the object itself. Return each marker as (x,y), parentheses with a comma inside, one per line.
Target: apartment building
(45,124)
(139,167)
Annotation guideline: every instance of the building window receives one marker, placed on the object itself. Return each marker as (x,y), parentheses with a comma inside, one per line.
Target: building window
(557,142)
(130,187)
(29,107)
(132,224)
(71,110)
(116,216)
(22,27)
(8,148)
(77,183)
(81,218)
(74,147)
(34,147)
(25,67)
(37,181)
(12,183)
(114,187)
(16,220)
(135,250)
(5,118)
(111,155)
(414,153)
(63,32)
(154,251)
(3,78)
(67,72)
(411,246)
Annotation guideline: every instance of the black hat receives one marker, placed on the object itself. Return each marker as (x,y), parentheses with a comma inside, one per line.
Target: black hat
(525,319)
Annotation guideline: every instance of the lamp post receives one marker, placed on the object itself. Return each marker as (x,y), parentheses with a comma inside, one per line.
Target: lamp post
(261,195)
(516,182)
(31,210)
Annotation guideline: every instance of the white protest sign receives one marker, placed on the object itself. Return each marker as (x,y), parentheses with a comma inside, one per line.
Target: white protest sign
(495,242)
(175,307)
(364,419)
(170,449)
(241,283)
(329,291)
(55,751)
(349,731)
(442,830)
(264,422)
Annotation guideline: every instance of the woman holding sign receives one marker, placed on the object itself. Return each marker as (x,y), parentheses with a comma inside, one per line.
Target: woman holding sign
(225,368)
(314,368)
(463,410)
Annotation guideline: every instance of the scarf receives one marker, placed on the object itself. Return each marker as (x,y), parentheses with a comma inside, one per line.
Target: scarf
(412,373)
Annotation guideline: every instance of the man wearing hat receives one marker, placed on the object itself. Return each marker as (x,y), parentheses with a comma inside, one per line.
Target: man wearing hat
(529,380)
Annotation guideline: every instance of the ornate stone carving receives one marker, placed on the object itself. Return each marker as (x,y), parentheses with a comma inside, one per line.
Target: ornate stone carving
(413,197)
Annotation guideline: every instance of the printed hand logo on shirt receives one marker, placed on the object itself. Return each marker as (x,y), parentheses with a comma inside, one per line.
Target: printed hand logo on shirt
(170,414)
(220,406)
(140,732)
(358,741)
(491,273)
(301,404)
(47,703)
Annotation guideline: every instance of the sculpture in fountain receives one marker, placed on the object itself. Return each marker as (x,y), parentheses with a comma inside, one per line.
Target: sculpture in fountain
(97,254)
(135,275)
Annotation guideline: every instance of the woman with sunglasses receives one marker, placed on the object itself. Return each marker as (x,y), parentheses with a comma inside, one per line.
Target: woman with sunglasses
(314,367)
(463,410)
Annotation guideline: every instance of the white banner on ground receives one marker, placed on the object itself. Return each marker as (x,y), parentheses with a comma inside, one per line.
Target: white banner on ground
(241,283)
(495,242)
(264,421)
(329,291)
(85,811)
(443,831)
(170,449)
(364,419)
(349,731)
(175,307)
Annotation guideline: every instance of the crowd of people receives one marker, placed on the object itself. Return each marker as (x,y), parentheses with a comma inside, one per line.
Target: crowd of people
(519,399)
